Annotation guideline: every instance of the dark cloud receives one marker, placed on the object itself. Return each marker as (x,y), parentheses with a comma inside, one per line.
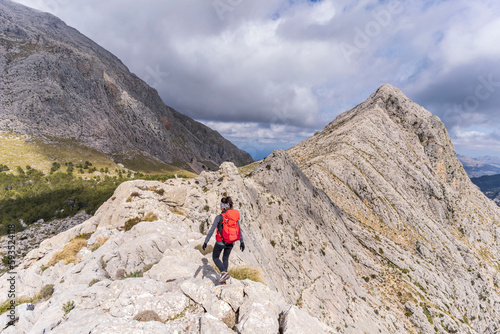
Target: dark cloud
(277,70)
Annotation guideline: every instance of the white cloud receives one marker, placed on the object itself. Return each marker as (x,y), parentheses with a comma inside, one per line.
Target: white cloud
(477,143)
(278,62)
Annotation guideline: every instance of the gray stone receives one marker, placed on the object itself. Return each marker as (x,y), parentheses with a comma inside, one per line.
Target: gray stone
(295,320)
(211,325)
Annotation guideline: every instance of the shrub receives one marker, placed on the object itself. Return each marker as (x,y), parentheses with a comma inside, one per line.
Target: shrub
(55,167)
(160,191)
(67,307)
(427,314)
(137,273)
(202,227)
(148,315)
(31,196)
(131,223)
(85,236)
(408,312)
(45,293)
(6,260)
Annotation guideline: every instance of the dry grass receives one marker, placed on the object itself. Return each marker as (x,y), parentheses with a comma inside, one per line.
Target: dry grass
(177,211)
(99,243)
(150,217)
(44,294)
(94,281)
(244,272)
(248,169)
(68,254)
(207,250)
(21,150)
(4,307)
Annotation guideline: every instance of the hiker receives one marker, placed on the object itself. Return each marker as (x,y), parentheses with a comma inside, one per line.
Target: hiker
(228,231)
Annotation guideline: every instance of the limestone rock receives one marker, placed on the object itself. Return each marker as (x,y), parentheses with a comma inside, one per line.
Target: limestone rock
(211,325)
(372,227)
(295,320)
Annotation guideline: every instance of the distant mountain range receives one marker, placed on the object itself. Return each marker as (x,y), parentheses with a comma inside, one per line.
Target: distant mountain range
(57,85)
(476,167)
(485,173)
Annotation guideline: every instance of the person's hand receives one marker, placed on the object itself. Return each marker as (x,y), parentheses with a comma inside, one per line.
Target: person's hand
(204,246)
(242,246)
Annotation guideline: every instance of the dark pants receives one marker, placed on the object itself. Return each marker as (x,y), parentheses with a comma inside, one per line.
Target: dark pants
(219,246)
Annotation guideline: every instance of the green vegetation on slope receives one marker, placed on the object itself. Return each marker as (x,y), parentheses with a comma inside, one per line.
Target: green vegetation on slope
(30,195)
(41,153)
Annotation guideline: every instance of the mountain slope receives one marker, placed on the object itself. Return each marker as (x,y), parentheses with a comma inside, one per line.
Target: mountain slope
(375,229)
(55,82)
(177,282)
(390,163)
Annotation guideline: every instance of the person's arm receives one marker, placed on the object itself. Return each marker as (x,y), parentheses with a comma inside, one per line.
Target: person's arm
(241,236)
(216,222)
(242,243)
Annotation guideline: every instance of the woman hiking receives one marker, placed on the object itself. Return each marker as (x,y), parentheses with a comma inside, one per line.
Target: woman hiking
(228,231)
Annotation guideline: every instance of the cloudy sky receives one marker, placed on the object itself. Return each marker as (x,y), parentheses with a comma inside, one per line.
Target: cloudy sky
(269,73)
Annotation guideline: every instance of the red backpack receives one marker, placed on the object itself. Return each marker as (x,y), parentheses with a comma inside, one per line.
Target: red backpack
(230,230)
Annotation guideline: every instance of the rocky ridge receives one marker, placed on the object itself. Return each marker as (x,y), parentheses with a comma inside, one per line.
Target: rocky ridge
(390,163)
(374,228)
(178,281)
(56,83)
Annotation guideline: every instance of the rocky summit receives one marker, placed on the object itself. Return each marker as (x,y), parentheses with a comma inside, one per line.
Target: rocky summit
(428,238)
(57,84)
(370,226)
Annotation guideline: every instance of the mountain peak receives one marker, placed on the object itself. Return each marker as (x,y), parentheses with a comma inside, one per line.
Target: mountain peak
(391,165)
(387,89)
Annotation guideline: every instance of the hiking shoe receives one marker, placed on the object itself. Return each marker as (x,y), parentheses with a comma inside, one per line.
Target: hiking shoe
(223,278)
